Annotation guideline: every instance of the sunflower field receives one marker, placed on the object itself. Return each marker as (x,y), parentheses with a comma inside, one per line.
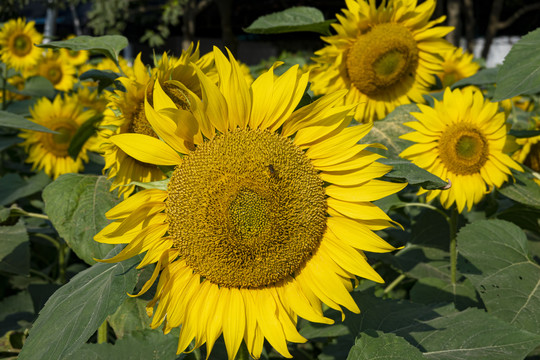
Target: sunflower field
(378,199)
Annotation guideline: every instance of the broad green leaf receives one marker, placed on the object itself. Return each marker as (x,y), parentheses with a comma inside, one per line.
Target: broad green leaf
(427,254)
(523,190)
(130,316)
(36,86)
(78,308)
(8,141)
(83,133)
(378,345)
(14,249)
(11,120)
(524,133)
(140,345)
(4,213)
(13,187)
(21,108)
(435,291)
(14,311)
(502,271)
(76,205)
(108,45)
(389,202)
(406,171)
(104,77)
(483,77)
(525,217)
(520,71)
(299,18)
(388,131)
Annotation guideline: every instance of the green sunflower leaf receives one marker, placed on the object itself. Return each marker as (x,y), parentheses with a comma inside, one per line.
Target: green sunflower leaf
(16,311)
(36,86)
(76,205)
(108,45)
(83,133)
(435,291)
(523,190)
(483,77)
(14,187)
(299,18)
(378,345)
(520,71)
(140,345)
(497,261)
(405,171)
(130,316)
(14,249)
(11,120)
(104,77)
(74,312)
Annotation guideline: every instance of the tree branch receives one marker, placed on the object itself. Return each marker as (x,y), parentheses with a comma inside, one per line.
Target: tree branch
(506,23)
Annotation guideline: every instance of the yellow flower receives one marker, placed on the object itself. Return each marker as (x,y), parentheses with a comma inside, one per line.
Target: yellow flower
(265,217)
(75,58)
(385,56)
(17,39)
(461,140)
(529,152)
(177,78)
(90,98)
(49,151)
(457,65)
(60,73)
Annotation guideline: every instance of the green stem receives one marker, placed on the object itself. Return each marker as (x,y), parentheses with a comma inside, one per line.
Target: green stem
(453,243)
(38,273)
(243,353)
(50,239)
(102,333)
(19,211)
(62,263)
(394,283)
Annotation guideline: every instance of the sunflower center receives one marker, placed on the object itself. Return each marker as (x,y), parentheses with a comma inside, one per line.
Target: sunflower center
(139,124)
(246,209)
(463,149)
(58,144)
(382,58)
(54,74)
(177,96)
(22,45)
(533,158)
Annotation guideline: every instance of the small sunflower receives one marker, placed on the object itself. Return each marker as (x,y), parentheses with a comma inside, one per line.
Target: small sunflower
(461,139)
(49,151)
(178,79)
(386,56)
(457,65)
(75,58)
(59,72)
(529,152)
(265,217)
(17,39)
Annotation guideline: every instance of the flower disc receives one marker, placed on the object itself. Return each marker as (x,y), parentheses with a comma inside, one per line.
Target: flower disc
(464,149)
(246,209)
(381,58)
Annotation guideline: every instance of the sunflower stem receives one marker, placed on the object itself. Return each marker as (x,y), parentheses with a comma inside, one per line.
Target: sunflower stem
(453,243)
(102,333)
(243,353)
(394,283)
(428,206)
(18,211)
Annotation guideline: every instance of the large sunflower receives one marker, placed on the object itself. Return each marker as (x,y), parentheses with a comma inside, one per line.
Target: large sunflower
(386,56)
(265,217)
(457,65)
(17,39)
(461,139)
(49,151)
(177,79)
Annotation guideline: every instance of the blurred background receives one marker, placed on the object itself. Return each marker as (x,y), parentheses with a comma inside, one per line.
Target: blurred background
(486,28)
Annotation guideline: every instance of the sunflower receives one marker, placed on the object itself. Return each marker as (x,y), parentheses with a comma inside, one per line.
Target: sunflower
(461,139)
(49,151)
(178,79)
(265,217)
(59,72)
(457,65)
(386,56)
(17,39)
(529,152)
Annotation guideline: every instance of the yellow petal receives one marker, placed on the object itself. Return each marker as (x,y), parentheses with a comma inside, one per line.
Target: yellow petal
(146,149)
